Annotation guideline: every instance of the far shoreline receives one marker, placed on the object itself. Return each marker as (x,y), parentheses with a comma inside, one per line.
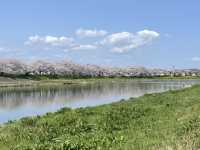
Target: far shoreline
(50,81)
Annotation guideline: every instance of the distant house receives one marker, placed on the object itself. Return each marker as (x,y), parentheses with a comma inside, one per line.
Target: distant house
(194,75)
(183,74)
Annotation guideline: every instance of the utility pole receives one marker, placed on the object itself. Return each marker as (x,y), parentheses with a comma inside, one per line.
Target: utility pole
(173,71)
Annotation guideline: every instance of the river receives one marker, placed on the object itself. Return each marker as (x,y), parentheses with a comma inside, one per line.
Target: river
(17,102)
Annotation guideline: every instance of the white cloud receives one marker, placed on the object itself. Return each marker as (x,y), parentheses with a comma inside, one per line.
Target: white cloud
(117,42)
(2,49)
(196,59)
(90,33)
(125,41)
(51,40)
(84,47)
(7,50)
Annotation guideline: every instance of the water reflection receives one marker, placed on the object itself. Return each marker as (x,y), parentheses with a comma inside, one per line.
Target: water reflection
(25,101)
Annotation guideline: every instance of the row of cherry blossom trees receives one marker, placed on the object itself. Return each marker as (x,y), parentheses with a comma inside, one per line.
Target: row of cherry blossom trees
(69,69)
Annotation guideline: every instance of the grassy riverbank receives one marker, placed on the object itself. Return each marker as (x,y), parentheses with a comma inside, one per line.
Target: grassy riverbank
(43,80)
(169,120)
(17,82)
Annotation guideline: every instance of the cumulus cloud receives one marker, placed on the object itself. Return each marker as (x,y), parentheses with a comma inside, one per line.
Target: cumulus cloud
(51,40)
(196,59)
(90,33)
(116,42)
(125,41)
(84,47)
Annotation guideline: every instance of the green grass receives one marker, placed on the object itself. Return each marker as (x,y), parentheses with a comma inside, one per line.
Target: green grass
(46,80)
(165,121)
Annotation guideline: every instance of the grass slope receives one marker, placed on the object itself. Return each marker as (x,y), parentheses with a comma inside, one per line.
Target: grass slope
(169,120)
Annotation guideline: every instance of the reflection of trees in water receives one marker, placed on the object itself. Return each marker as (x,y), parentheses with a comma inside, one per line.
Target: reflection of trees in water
(38,96)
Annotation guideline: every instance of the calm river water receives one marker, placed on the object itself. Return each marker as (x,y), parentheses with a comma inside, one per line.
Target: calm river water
(26,101)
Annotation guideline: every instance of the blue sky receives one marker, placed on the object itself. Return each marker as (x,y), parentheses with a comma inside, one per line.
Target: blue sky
(150,33)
